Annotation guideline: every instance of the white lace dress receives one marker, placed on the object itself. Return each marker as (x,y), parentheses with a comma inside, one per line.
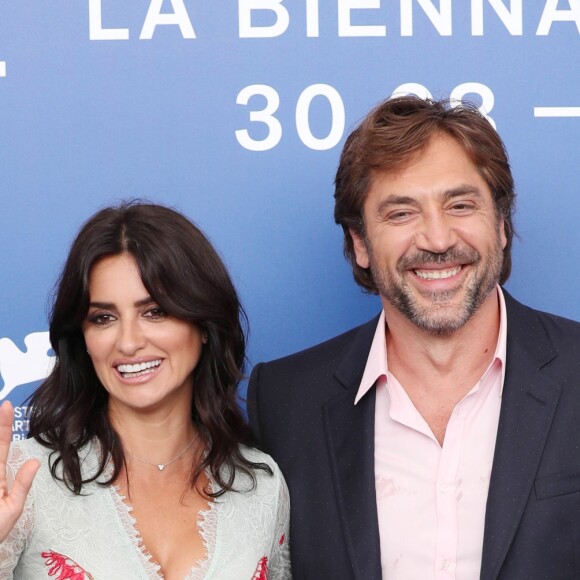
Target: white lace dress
(93,536)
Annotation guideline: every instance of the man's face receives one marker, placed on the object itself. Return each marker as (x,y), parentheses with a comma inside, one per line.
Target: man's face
(433,240)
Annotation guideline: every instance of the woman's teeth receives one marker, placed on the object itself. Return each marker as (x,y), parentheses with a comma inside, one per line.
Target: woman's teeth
(138,369)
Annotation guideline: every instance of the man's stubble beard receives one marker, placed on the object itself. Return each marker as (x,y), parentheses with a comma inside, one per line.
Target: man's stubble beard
(435,316)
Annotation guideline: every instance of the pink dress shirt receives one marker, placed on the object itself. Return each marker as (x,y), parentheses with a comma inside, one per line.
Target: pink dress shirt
(431,498)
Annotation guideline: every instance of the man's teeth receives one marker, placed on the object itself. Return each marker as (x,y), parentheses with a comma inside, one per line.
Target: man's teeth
(138,369)
(437,274)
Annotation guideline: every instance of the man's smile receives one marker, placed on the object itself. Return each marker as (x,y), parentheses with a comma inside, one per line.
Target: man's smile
(437,274)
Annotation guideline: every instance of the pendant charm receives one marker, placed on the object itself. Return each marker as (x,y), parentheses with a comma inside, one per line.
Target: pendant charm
(160,466)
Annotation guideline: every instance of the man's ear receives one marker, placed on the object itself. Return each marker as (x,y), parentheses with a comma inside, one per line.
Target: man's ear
(360,249)
(502,233)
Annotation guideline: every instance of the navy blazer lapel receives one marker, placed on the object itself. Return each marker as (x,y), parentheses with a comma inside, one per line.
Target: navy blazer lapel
(349,431)
(529,402)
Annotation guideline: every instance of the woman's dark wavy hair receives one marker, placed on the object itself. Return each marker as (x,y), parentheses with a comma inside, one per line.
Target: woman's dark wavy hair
(186,277)
(391,136)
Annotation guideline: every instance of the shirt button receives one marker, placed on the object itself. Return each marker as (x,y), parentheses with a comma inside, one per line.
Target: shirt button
(444,488)
(445,565)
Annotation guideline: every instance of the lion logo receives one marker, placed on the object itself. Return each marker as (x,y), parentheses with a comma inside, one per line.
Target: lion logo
(19,368)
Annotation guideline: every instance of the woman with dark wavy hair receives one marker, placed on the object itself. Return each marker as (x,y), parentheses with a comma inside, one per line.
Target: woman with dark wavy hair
(145,463)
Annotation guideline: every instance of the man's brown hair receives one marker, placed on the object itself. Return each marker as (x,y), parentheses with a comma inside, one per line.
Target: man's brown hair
(391,136)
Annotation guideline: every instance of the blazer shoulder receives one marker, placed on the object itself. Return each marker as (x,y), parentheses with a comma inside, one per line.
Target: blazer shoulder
(325,353)
(560,330)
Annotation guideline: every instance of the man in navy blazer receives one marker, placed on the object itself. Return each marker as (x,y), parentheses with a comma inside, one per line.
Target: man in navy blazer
(440,440)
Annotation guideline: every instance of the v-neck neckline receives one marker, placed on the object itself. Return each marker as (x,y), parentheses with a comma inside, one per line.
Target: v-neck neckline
(207,521)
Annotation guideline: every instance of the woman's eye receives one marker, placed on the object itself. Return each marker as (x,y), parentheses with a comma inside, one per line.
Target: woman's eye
(100,319)
(155,313)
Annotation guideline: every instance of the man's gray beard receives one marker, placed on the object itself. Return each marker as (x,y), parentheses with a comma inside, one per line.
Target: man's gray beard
(435,318)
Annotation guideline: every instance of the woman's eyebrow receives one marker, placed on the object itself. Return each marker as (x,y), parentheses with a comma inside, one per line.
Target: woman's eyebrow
(111,305)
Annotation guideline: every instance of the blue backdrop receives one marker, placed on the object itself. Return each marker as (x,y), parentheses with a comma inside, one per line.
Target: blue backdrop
(235,113)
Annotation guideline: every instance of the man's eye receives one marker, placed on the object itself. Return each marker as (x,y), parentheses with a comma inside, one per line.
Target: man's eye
(399,216)
(463,207)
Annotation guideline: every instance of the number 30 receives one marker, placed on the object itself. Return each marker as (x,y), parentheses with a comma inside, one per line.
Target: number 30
(332,96)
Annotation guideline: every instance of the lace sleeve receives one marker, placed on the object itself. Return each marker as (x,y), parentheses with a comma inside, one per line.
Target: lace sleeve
(15,542)
(279,563)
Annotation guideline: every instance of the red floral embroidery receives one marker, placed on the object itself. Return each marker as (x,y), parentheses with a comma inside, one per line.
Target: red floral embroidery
(66,568)
(261,572)
(282,538)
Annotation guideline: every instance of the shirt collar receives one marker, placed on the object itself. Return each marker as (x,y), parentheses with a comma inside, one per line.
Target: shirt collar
(377,360)
(376,366)
(501,348)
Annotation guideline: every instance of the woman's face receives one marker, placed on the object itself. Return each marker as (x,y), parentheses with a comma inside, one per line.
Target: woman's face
(143,357)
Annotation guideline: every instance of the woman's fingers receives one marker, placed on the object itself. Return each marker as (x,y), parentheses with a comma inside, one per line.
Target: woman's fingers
(12,500)
(23,482)
(6,415)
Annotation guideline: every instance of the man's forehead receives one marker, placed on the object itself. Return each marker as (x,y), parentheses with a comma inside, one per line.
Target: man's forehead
(443,169)
(464,190)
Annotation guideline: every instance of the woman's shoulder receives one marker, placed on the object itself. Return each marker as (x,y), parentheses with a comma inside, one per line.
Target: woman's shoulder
(266,475)
(23,450)
(256,456)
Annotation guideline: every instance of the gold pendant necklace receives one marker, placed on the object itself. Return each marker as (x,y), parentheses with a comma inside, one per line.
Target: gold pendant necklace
(162,466)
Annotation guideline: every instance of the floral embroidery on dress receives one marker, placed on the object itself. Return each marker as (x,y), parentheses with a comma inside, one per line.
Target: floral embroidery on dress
(261,572)
(67,568)
(239,531)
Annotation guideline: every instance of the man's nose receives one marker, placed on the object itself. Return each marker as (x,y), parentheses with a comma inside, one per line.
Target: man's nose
(437,233)
(130,337)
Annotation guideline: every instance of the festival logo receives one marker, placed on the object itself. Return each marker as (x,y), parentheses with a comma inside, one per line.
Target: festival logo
(19,368)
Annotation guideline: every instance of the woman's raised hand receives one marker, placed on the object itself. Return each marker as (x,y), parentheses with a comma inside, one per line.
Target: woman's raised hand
(12,501)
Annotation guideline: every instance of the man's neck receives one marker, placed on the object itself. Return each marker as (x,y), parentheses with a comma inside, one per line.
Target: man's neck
(437,371)
(443,359)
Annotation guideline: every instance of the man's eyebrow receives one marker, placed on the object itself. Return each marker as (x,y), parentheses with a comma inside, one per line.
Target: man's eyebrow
(462,190)
(112,306)
(397,200)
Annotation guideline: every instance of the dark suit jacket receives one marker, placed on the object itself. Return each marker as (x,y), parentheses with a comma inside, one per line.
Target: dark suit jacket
(302,410)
